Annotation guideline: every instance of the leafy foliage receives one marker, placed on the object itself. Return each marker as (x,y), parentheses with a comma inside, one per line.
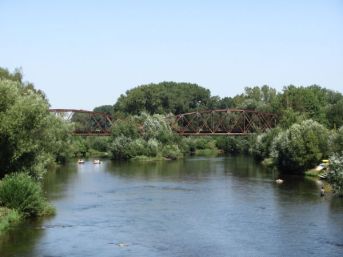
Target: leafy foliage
(30,137)
(300,147)
(336,141)
(143,135)
(8,217)
(163,98)
(261,148)
(231,145)
(336,175)
(20,192)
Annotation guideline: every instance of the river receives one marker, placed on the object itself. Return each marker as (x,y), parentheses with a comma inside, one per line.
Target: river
(220,206)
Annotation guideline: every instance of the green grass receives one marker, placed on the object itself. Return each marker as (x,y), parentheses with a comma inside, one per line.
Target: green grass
(8,217)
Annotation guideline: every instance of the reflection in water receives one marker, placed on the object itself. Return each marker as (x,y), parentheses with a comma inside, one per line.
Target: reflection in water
(225,206)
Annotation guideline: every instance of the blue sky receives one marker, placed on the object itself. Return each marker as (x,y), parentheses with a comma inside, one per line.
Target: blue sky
(84,54)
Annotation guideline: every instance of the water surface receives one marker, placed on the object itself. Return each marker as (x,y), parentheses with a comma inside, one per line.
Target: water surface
(223,206)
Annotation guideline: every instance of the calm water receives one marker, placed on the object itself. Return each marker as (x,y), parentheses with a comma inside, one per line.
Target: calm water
(226,206)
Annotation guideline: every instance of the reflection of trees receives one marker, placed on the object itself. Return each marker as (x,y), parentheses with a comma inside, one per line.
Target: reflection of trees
(192,169)
(57,180)
(22,239)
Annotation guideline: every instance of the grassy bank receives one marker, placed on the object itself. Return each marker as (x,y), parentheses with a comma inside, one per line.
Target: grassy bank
(8,217)
(21,197)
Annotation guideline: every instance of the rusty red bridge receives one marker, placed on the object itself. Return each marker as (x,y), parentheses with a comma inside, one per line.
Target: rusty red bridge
(230,122)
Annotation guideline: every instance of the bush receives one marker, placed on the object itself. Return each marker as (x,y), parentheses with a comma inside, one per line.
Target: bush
(99,144)
(152,147)
(336,144)
(172,152)
(229,144)
(7,218)
(20,192)
(301,147)
(144,135)
(261,147)
(156,127)
(128,127)
(336,175)
(120,148)
(137,147)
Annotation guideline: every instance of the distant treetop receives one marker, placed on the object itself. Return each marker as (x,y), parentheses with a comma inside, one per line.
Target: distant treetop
(164,97)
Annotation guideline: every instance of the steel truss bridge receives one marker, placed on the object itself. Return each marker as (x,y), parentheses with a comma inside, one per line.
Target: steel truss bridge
(223,122)
(87,123)
(230,122)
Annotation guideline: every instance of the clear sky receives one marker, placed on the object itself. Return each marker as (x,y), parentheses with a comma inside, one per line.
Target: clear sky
(84,54)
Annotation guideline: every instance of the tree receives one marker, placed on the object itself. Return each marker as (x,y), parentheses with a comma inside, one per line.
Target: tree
(108,109)
(17,76)
(163,98)
(30,136)
(313,101)
(336,141)
(300,147)
(261,148)
(336,175)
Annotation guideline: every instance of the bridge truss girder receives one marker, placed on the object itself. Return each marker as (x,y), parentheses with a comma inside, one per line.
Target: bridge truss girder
(223,122)
(87,123)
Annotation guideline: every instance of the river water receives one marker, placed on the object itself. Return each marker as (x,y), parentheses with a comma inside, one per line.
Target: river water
(222,206)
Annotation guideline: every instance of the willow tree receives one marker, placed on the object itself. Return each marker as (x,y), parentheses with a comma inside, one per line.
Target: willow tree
(30,137)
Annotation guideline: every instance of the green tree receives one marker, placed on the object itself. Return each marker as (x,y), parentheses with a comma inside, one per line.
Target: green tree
(336,141)
(336,175)
(108,109)
(261,148)
(163,98)
(17,76)
(30,136)
(313,101)
(300,147)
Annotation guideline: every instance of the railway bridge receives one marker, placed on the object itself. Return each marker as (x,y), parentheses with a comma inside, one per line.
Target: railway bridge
(229,122)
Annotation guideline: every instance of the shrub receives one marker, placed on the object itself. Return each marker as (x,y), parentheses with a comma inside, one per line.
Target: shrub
(152,147)
(300,147)
(229,144)
(128,127)
(144,135)
(336,142)
(8,217)
(20,192)
(137,147)
(156,127)
(120,147)
(336,175)
(261,147)
(172,152)
(99,144)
